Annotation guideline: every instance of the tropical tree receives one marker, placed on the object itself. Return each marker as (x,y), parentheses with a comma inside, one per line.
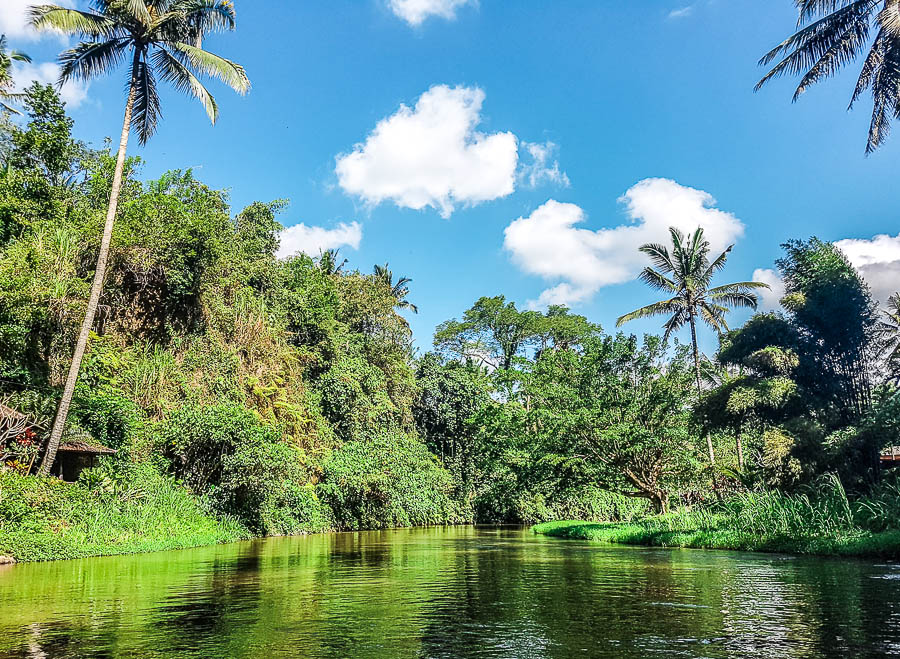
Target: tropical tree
(7,57)
(831,34)
(492,332)
(399,290)
(159,39)
(328,261)
(889,335)
(686,274)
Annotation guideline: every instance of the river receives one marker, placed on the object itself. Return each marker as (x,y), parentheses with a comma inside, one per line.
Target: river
(449,592)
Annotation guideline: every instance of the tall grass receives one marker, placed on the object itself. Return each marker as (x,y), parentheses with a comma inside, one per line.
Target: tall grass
(821,520)
(44,518)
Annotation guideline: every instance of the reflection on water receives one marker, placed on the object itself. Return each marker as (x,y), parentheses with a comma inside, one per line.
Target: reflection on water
(457,592)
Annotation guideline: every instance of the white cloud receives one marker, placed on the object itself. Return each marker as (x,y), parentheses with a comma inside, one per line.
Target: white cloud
(547,242)
(540,169)
(683,12)
(73,93)
(312,240)
(415,12)
(877,260)
(14,21)
(432,155)
(769,299)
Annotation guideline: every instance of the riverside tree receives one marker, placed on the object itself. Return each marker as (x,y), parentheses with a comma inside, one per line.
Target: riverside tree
(161,39)
(686,275)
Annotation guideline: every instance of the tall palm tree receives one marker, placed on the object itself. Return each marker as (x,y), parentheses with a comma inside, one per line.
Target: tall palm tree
(889,335)
(832,33)
(7,57)
(157,38)
(399,290)
(686,275)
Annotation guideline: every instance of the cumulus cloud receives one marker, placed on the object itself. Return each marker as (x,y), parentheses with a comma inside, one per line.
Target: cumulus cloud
(431,155)
(543,166)
(14,21)
(548,243)
(312,240)
(770,299)
(877,260)
(47,73)
(414,12)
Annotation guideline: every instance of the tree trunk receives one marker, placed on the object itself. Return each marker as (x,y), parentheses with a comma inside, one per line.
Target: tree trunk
(65,402)
(660,501)
(740,450)
(709,444)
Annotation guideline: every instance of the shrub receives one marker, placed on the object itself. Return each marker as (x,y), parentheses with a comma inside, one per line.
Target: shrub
(387,482)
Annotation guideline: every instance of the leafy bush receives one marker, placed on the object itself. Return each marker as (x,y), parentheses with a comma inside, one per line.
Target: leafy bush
(389,481)
(244,466)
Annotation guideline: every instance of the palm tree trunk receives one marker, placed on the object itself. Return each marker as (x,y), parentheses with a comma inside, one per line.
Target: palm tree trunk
(709,444)
(740,450)
(65,402)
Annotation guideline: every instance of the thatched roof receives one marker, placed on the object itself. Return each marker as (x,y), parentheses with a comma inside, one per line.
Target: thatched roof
(78,446)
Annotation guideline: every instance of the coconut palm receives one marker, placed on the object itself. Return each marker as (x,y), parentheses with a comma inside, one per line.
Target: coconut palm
(158,40)
(329,262)
(399,290)
(831,34)
(686,275)
(889,335)
(7,57)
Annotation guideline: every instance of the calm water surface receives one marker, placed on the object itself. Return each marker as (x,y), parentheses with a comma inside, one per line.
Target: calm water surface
(458,592)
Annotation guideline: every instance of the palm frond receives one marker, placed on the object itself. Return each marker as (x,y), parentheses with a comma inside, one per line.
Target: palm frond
(146,113)
(657,280)
(885,85)
(174,72)
(806,47)
(659,256)
(671,306)
(90,59)
(231,73)
(74,22)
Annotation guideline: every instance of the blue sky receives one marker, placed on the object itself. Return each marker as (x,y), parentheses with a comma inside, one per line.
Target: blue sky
(639,113)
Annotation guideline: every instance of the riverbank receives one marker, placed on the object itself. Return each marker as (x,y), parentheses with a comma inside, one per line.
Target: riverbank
(664,531)
(44,519)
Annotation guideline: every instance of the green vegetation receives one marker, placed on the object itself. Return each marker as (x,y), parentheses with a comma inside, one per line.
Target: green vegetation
(264,396)
(161,40)
(250,395)
(823,521)
(113,511)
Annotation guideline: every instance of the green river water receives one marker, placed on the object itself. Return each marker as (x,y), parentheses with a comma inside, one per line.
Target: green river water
(449,592)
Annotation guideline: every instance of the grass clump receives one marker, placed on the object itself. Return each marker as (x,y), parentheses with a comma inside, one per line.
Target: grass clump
(823,521)
(104,514)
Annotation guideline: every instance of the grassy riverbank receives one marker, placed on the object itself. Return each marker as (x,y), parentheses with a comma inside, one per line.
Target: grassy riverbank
(46,519)
(823,522)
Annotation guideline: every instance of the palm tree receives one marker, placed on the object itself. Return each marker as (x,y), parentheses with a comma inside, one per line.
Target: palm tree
(158,39)
(889,335)
(831,34)
(328,261)
(7,57)
(399,290)
(686,275)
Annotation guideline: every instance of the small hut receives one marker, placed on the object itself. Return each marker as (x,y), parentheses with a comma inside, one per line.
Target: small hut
(75,454)
(23,441)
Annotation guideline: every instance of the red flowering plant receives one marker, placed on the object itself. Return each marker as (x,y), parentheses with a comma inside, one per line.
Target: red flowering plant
(21,451)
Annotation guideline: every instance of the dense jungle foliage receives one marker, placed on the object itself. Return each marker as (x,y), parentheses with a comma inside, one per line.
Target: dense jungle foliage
(276,396)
